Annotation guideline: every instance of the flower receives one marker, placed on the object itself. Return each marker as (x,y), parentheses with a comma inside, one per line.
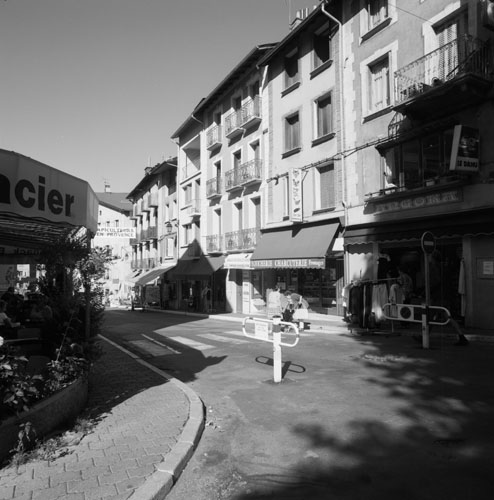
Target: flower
(1,341)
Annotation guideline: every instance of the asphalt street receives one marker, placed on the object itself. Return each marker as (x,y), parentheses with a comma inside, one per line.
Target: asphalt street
(355,417)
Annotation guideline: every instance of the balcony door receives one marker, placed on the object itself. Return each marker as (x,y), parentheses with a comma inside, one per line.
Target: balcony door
(450,40)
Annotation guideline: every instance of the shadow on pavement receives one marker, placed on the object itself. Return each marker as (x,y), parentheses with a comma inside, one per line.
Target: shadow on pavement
(432,440)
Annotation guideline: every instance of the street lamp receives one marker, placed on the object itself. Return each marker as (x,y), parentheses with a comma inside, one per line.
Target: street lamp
(169,227)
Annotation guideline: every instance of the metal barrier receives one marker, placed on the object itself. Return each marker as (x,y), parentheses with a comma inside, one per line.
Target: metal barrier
(269,330)
(416,313)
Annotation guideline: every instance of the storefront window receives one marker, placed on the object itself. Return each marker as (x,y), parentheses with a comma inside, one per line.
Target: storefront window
(414,162)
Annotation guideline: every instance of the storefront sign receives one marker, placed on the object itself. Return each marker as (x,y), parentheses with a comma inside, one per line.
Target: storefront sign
(433,199)
(238,261)
(315,263)
(465,150)
(116,232)
(296,211)
(31,189)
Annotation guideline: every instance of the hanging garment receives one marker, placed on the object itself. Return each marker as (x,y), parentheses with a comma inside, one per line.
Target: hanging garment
(462,288)
(379,298)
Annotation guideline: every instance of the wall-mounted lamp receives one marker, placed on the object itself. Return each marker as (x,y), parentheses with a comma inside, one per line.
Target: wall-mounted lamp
(169,226)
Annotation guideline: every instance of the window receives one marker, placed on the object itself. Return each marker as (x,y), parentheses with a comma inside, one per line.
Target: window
(188,194)
(326,198)
(377,12)
(322,47)
(188,237)
(237,159)
(379,85)
(292,132)
(291,69)
(324,116)
(170,246)
(413,163)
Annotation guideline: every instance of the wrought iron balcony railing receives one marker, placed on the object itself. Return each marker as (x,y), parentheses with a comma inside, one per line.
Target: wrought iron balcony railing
(458,57)
(213,137)
(213,187)
(248,115)
(247,173)
(214,243)
(245,239)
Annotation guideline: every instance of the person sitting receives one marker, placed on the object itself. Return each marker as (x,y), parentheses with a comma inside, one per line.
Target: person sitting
(7,325)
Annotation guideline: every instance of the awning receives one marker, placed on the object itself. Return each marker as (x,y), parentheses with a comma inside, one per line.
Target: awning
(200,268)
(151,275)
(472,223)
(133,277)
(301,246)
(238,261)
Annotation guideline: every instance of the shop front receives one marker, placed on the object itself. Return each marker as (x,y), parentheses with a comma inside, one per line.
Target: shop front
(198,285)
(149,286)
(461,266)
(302,259)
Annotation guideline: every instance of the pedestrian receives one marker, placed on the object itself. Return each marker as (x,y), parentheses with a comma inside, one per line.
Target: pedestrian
(7,325)
(206,297)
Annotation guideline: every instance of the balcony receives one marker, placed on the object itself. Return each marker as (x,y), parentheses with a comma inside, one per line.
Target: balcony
(137,209)
(247,116)
(213,137)
(149,263)
(244,175)
(150,233)
(214,243)
(238,241)
(194,208)
(459,73)
(145,204)
(153,200)
(213,187)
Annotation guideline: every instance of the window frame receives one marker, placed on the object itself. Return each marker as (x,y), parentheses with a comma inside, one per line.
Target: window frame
(290,82)
(290,146)
(319,132)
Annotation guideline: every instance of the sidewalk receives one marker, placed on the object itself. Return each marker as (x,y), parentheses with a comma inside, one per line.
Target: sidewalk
(146,426)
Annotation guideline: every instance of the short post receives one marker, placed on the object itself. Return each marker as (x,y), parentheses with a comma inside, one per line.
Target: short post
(425,326)
(276,349)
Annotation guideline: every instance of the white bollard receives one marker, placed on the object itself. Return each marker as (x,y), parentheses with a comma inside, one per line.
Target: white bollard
(276,349)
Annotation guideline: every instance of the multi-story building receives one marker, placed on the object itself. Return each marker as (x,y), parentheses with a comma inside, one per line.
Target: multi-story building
(221,169)
(418,83)
(155,213)
(303,196)
(114,232)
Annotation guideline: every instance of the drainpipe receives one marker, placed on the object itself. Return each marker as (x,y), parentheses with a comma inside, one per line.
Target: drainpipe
(341,61)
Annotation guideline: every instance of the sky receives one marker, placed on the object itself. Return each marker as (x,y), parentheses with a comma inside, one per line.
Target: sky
(96,88)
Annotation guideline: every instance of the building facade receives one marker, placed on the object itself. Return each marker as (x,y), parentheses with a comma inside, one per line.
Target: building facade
(114,232)
(303,196)
(418,83)
(154,248)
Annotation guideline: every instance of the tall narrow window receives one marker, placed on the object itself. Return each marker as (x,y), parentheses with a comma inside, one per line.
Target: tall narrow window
(291,69)
(322,47)
(257,212)
(324,116)
(237,159)
(377,12)
(326,186)
(379,85)
(292,132)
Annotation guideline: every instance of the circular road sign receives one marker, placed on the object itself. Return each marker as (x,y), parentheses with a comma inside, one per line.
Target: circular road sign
(428,242)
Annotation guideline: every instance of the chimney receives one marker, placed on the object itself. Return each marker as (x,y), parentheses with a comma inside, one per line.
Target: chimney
(107,187)
(300,15)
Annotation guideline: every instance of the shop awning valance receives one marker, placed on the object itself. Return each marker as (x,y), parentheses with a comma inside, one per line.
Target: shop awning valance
(301,246)
(472,223)
(200,268)
(151,275)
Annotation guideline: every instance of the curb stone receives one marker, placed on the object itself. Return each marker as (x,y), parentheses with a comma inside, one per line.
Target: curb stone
(161,481)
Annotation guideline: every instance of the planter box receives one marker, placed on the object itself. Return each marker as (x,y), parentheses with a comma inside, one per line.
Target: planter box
(46,415)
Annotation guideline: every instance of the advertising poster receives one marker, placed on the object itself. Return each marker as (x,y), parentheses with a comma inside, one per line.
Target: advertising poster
(465,150)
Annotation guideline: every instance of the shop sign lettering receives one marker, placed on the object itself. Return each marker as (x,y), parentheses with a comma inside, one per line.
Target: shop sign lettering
(452,196)
(316,263)
(35,195)
(116,232)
